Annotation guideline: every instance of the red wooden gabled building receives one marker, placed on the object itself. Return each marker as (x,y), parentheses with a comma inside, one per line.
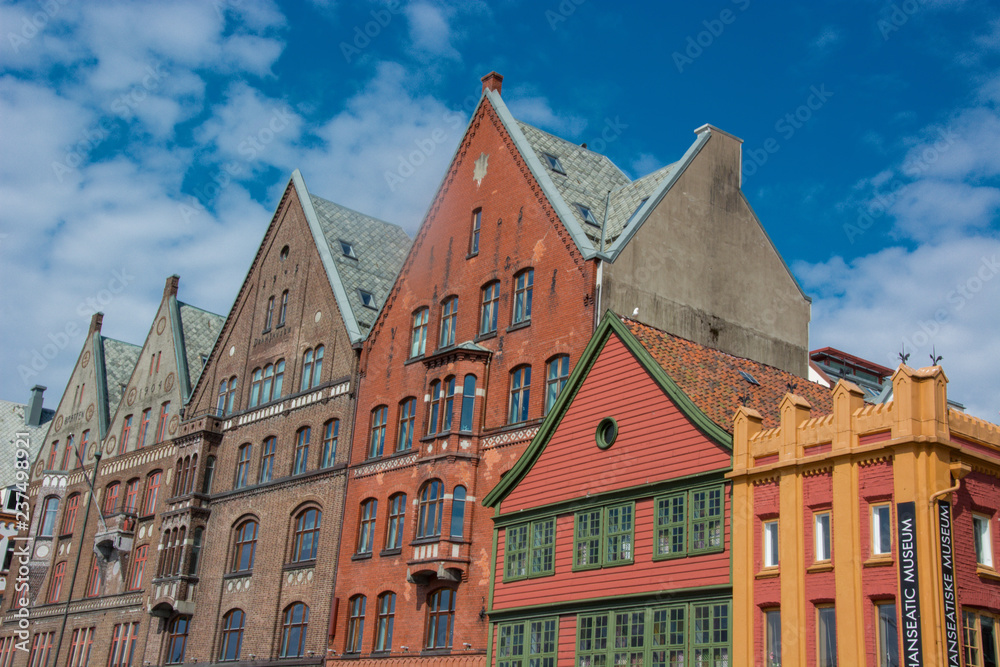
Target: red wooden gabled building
(611,532)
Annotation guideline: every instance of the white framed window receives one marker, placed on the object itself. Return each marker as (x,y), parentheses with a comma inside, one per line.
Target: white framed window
(771,543)
(821,530)
(984,540)
(881,529)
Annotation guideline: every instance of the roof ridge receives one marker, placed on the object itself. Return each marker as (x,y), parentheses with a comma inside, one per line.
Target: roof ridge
(353,210)
(577,146)
(188,305)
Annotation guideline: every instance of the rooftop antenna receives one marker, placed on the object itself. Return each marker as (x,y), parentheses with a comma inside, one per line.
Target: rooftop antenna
(935,357)
(903,356)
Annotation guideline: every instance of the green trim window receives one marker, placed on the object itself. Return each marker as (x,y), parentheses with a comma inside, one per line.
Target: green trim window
(604,536)
(527,643)
(689,523)
(656,636)
(529,549)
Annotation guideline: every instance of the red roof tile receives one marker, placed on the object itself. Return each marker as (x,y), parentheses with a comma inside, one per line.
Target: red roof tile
(712,378)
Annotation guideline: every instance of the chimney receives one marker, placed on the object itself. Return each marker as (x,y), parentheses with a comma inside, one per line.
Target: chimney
(493,81)
(95,323)
(170,289)
(33,413)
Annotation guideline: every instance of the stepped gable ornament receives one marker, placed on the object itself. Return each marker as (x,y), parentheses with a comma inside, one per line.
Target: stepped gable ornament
(479,173)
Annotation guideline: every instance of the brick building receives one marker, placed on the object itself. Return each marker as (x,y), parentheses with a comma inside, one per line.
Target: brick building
(867,534)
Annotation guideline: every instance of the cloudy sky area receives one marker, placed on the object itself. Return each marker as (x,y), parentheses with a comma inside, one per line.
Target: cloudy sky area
(143,139)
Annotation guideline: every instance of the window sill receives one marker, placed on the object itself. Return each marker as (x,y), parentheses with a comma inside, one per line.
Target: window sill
(265,331)
(301,565)
(768,573)
(882,560)
(413,360)
(237,575)
(390,552)
(425,540)
(366,556)
(435,651)
(519,325)
(472,254)
(822,566)
(987,572)
(485,336)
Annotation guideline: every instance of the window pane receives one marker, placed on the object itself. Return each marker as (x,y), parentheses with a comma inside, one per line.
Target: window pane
(888,639)
(826,628)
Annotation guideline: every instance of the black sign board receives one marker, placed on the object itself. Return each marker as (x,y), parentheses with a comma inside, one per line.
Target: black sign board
(951,628)
(909,588)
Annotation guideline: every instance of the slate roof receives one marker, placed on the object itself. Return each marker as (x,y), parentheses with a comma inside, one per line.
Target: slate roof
(119,361)
(199,329)
(712,379)
(379,248)
(12,423)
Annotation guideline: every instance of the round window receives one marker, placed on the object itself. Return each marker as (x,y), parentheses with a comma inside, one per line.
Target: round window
(607,431)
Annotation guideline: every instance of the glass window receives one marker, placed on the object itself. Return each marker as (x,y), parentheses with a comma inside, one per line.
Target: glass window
(293,634)
(671,524)
(520,394)
(432,423)
(477,221)
(301,463)
(69,514)
(269,314)
(161,427)
(468,402)
(826,636)
(534,640)
(440,618)
(431,509)
(397,513)
(136,568)
(587,215)
(110,505)
(888,637)
(242,466)
(491,304)
(152,489)
(706,519)
(279,377)
(81,451)
(49,509)
(231,396)
(41,649)
(244,546)
(554,163)
(515,552)
(55,586)
(232,635)
(195,550)
(347,249)
(821,526)
(68,452)
(376,442)
(356,623)
(79,651)
(126,432)
(449,322)
(206,485)
(619,522)
(283,310)
(983,540)
(368,299)
(366,527)
(306,541)
(386,617)
(772,623)
(522,295)
(771,543)
(307,364)
(123,640)
(529,549)
(881,529)
(177,639)
(220,407)
(555,379)
(449,403)
(318,366)
(458,513)
(255,387)
(331,433)
(267,459)
(407,422)
(54,452)
(587,539)
(418,339)
(95,579)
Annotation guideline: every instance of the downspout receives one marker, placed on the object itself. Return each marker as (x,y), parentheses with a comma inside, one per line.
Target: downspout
(958,472)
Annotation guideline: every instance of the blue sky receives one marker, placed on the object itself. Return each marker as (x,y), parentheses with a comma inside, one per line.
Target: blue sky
(143,139)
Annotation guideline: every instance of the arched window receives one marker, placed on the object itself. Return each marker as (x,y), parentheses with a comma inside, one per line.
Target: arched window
(53,454)
(318,366)
(468,402)
(195,550)
(68,452)
(376,442)
(161,425)
(69,514)
(95,580)
(283,310)
(458,513)
(477,222)
(136,568)
(244,546)
(164,553)
(152,489)
(307,365)
(407,420)
(490,307)
(301,463)
(449,403)
(520,394)
(265,388)
(126,433)
(110,505)
(220,406)
(432,422)
(193,472)
(232,635)
(177,639)
(442,403)
(306,540)
(279,377)
(180,475)
(522,295)
(356,623)
(49,509)
(242,466)
(255,387)
(206,483)
(269,314)
(55,586)
(82,449)
(366,526)
(131,495)
(293,632)
(555,379)
(267,458)
(418,337)
(331,433)
(386,619)
(440,618)
(312,368)
(231,396)
(176,566)
(449,322)
(143,429)
(397,513)
(431,509)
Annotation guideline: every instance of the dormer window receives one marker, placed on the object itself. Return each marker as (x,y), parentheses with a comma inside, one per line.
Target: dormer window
(636,211)
(554,163)
(588,217)
(368,299)
(348,249)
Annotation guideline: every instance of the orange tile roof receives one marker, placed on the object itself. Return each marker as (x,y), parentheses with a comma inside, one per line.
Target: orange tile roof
(712,380)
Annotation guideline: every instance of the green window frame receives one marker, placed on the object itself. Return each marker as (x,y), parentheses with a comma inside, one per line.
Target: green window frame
(604,536)
(697,633)
(529,550)
(531,643)
(689,523)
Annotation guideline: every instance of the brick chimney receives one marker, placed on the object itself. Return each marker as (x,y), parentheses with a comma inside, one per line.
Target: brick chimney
(33,413)
(95,322)
(493,81)
(170,289)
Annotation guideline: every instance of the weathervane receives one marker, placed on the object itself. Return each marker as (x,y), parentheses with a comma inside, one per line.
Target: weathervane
(903,356)
(935,357)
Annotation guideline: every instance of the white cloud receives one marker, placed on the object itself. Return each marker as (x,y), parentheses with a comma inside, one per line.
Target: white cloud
(536,110)
(431,30)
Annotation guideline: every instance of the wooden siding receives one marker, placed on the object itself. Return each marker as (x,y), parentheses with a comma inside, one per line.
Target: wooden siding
(655,439)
